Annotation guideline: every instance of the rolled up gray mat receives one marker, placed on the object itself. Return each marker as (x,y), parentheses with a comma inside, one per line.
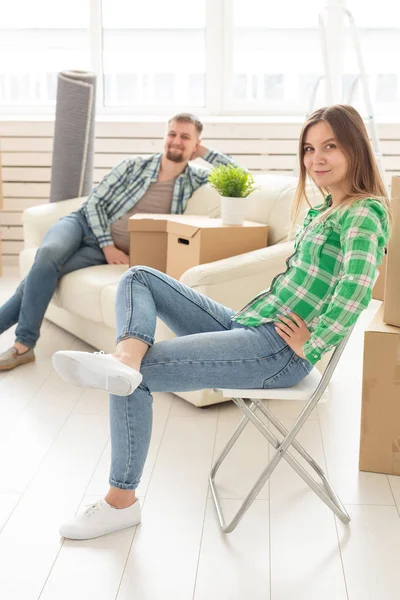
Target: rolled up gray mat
(73,144)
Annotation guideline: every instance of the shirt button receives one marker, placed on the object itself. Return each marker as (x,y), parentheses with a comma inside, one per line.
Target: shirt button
(315,355)
(351,278)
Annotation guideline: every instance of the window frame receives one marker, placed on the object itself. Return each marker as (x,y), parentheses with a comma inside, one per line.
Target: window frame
(219,91)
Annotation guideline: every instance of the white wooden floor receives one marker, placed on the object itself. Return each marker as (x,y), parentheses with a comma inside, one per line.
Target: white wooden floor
(54,457)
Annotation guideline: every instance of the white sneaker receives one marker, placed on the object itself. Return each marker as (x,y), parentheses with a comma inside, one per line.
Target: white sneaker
(100,371)
(100,519)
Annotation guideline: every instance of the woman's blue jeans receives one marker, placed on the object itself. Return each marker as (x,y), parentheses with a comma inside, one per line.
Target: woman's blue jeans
(210,351)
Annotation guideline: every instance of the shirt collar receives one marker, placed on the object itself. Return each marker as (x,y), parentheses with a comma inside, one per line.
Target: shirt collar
(321,207)
(153,168)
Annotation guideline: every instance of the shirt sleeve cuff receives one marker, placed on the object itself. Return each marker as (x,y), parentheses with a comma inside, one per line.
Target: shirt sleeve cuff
(209,155)
(312,352)
(105,241)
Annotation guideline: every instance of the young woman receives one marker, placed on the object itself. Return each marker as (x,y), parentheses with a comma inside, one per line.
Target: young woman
(274,341)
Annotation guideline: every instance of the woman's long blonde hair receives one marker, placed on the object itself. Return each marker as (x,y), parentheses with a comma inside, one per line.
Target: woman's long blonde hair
(364,180)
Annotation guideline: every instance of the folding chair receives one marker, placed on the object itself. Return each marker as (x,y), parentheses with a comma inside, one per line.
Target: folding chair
(311,388)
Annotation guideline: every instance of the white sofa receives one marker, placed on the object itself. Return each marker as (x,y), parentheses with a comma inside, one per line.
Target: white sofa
(84,300)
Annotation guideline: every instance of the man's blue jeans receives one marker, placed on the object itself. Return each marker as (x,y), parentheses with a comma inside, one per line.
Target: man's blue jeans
(69,245)
(211,351)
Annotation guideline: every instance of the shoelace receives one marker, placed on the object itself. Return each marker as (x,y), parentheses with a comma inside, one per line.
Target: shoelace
(93,508)
(101,352)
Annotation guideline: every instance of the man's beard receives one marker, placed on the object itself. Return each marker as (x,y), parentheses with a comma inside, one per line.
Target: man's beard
(175,157)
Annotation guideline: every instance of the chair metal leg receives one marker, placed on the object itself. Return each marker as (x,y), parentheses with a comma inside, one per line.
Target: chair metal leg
(328,488)
(325,491)
(244,421)
(235,435)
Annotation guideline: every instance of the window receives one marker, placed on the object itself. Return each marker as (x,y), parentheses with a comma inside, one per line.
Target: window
(273,50)
(380,43)
(209,56)
(39,39)
(161,45)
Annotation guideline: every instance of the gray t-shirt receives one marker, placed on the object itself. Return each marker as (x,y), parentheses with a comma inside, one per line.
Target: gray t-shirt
(157,199)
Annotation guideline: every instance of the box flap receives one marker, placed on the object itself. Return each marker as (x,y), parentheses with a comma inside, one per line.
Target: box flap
(146,222)
(379,326)
(190,220)
(188,225)
(182,229)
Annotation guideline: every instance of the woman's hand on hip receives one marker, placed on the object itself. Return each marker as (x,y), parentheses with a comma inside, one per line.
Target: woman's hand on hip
(294,331)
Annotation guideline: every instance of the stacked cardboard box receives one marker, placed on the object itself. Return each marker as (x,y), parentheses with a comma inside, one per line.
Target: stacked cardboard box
(380,419)
(1,207)
(391,313)
(379,288)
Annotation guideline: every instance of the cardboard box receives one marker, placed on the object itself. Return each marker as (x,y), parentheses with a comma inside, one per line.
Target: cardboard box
(380,416)
(392,287)
(1,206)
(378,291)
(174,243)
(205,240)
(148,241)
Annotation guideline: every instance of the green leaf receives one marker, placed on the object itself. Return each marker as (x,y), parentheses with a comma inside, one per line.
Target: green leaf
(231,181)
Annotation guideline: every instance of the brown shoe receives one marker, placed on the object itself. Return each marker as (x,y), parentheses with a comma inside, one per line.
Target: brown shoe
(11,358)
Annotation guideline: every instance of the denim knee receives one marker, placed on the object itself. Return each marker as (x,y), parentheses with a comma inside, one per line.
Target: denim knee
(45,257)
(126,278)
(138,270)
(136,273)
(20,288)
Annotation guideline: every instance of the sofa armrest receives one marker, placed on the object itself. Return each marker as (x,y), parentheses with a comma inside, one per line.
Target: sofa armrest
(236,280)
(38,219)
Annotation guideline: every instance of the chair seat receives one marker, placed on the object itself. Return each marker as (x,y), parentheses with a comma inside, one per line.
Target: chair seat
(301,391)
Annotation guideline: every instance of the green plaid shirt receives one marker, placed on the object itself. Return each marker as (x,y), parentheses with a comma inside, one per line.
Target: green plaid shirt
(329,278)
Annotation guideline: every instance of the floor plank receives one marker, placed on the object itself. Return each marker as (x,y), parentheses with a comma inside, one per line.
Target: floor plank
(30,540)
(303,534)
(371,553)
(163,559)
(24,446)
(235,566)
(89,568)
(7,504)
(55,455)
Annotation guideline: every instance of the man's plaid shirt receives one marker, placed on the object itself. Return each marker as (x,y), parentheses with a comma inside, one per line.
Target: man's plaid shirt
(127,183)
(330,276)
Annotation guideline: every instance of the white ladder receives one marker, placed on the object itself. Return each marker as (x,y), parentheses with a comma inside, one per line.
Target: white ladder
(361,78)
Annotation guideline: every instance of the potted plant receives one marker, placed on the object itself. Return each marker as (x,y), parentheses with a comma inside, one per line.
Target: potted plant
(233,183)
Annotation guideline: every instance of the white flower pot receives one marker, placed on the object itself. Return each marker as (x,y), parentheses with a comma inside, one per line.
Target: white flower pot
(232,210)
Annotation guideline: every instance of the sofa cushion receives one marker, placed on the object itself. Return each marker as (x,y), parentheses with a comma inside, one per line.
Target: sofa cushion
(26,258)
(38,219)
(204,201)
(270,204)
(272,201)
(80,292)
(108,294)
